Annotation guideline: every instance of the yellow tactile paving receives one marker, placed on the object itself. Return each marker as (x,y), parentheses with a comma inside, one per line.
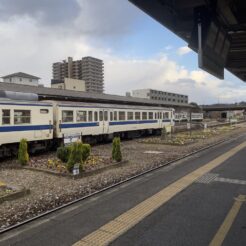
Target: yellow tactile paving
(124,222)
(101,237)
(227,223)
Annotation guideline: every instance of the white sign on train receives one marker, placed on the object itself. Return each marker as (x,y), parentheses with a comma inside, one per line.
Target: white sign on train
(71,138)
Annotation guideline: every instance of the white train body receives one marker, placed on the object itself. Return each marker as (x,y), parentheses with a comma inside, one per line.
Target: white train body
(30,120)
(105,119)
(42,123)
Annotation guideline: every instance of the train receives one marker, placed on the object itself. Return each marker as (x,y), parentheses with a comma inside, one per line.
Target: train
(47,124)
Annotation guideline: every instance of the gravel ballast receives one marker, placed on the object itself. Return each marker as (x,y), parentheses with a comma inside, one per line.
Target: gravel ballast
(49,191)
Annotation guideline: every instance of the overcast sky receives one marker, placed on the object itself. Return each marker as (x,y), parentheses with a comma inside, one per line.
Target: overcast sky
(137,51)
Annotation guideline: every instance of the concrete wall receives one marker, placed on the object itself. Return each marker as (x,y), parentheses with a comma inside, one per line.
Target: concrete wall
(70,84)
(74,84)
(58,86)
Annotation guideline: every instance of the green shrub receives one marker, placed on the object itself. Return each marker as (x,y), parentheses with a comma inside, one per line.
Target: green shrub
(78,155)
(116,151)
(23,156)
(63,153)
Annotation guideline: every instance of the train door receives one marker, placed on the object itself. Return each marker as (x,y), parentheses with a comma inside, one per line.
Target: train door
(105,121)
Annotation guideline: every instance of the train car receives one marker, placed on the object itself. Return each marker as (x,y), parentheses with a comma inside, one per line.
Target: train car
(25,119)
(108,120)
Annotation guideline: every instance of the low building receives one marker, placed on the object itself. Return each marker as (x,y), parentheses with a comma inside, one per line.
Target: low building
(21,78)
(164,96)
(69,84)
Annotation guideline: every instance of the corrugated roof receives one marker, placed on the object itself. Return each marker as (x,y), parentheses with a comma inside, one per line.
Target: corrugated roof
(20,74)
(60,94)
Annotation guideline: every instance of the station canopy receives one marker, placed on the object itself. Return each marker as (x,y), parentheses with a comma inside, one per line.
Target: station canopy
(215,29)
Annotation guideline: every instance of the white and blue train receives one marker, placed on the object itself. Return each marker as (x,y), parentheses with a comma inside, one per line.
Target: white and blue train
(45,123)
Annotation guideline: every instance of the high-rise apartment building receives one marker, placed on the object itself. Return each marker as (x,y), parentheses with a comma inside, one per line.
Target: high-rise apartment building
(89,69)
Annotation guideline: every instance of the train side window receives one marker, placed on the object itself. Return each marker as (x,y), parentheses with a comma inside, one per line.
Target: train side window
(130,115)
(90,116)
(151,115)
(95,116)
(166,115)
(100,115)
(67,116)
(44,111)
(106,115)
(111,116)
(6,116)
(81,116)
(144,115)
(156,115)
(115,115)
(137,116)
(22,117)
(122,115)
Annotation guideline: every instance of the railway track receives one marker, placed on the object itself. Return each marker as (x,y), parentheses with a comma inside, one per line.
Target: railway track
(10,228)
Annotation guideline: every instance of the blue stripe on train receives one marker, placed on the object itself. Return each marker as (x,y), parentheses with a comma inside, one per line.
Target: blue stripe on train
(25,128)
(132,122)
(78,125)
(112,123)
(166,120)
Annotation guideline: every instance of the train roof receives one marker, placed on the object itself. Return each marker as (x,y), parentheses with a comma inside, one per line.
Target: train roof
(105,105)
(7,101)
(46,93)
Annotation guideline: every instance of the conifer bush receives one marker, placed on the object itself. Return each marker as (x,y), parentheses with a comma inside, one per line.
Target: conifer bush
(23,156)
(116,151)
(78,155)
(63,153)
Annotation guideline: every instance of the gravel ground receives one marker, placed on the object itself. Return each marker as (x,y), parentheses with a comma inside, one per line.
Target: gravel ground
(49,191)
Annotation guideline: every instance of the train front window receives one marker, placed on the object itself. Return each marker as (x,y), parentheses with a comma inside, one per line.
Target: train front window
(81,116)
(22,117)
(115,115)
(101,115)
(67,116)
(95,116)
(106,115)
(5,116)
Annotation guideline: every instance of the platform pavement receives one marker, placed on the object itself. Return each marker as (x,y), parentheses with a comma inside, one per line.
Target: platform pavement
(191,217)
